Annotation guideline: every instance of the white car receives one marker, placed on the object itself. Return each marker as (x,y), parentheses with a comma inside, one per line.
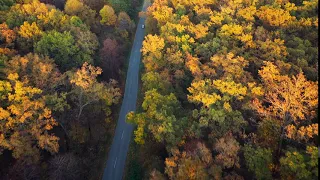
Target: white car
(142,26)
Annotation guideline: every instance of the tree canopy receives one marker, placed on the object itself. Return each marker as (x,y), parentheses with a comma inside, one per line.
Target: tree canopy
(243,76)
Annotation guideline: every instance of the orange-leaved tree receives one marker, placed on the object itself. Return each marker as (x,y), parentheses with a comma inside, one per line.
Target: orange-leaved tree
(290,100)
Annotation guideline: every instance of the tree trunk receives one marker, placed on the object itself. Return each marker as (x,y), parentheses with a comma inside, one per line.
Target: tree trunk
(66,135)
(80,112)
(89,127)
(286,122)
(281,139)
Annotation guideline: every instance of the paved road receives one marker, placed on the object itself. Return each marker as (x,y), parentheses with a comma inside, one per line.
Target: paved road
(119,148)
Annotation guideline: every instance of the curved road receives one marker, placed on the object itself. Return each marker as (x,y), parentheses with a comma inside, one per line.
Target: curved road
(121,140)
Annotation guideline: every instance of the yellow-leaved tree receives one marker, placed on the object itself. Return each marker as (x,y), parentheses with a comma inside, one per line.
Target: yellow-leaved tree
(87,89)
(25,121)
(275,17)
(108,16)
(28,30)
(152,52)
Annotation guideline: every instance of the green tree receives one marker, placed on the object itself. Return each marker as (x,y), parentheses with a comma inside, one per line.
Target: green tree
(120,5)
(297,165)
(153,80)
(61,47)
(268,133)
(210,55)
(6,4)
(161,118)
(258,161)
(76,21)
(87,43)
(209,48)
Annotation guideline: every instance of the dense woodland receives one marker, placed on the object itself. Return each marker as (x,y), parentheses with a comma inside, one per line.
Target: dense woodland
(229,91)
(62,69)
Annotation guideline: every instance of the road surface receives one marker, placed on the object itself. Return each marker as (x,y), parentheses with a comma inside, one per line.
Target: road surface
(121,140)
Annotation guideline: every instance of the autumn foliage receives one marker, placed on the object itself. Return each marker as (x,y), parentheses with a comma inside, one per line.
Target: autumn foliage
(26,120)
(57,111)
(242,74)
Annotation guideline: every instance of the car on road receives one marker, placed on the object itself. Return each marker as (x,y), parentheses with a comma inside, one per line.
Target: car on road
(142,26)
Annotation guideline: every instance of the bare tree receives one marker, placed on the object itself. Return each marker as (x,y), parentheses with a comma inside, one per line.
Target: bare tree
(64,167)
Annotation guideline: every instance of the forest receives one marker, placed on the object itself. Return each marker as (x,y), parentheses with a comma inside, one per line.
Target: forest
(229,90)
(62,71)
